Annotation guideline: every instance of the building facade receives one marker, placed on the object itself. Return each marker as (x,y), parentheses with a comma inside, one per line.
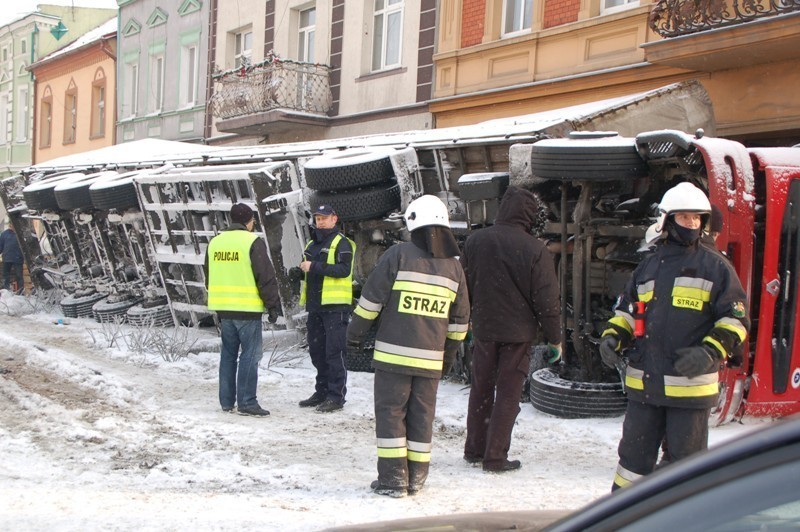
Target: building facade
(499,58)
(22,43)
(291,70)
(74,96)
(162,70)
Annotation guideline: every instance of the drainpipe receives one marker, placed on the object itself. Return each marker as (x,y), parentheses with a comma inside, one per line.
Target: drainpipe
(106,49)
(34,107)
(212,52)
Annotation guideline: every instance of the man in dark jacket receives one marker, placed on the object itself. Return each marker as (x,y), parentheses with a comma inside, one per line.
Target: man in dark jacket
(241,284)
(327,293)
(695,316)
(12,258)
(418,290)
(514,291)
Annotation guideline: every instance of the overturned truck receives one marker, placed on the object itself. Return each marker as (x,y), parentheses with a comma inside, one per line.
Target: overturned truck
(131,246)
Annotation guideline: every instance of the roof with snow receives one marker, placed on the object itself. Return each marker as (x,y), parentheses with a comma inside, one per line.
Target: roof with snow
(107,28)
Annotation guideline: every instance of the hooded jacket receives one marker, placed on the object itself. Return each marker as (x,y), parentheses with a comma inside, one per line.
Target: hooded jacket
(511,276)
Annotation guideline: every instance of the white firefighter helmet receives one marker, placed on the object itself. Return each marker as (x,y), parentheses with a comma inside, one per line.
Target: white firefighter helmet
(426,210)
(683,197)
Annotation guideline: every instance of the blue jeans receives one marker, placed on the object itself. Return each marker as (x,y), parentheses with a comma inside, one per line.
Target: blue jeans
(14,268)
(239,386)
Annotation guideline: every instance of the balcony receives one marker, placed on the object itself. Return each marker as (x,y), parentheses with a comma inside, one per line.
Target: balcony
(272,96)
(746,33)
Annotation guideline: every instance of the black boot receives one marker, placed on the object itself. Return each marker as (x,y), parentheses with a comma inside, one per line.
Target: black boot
(316,399)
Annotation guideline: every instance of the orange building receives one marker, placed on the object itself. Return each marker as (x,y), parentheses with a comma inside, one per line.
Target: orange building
(74,103)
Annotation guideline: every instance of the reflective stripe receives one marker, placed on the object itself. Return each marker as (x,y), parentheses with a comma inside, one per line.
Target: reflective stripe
(718,347)
(422,288)
(678,380)
(702,285)
(692,391)
(408,351)
(645,291)
(623,320)
(391,442)
(400,360)
(398,452)
(366,314)
(425,278)
(419,446)
(457,335)
(691,293)
(335,290)
(733,325)
(633,378)
(623,477)
(414,456)
(366,304)
(457,331)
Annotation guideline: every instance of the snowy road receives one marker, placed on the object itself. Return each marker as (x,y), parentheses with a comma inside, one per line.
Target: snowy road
(96,438)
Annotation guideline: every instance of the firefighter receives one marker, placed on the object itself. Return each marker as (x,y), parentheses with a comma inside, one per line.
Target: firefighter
(682,314)
(506,259)
(419,291)
(327,293)
(241,284)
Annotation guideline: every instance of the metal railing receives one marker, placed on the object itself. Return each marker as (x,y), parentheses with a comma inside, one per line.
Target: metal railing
(671,18)
(272,84)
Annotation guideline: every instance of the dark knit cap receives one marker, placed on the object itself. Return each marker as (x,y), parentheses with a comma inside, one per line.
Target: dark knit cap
(241,214)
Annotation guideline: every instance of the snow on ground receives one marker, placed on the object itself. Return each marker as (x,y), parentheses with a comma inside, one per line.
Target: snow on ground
(94,437)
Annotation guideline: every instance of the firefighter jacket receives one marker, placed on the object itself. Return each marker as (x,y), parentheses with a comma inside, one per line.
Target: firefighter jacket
(329,282)
(692,297)
(423,307)
(511,276)
(239,275)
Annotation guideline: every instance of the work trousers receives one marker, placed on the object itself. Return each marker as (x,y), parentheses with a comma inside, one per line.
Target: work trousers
(13,269)
(499,371)
(404,411)
(238,374)
(327,345)
(646,426)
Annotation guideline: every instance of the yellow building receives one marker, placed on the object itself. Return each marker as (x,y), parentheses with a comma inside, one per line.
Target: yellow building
(74,102)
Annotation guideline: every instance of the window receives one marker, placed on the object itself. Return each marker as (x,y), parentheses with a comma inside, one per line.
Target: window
(70,113)
(157,82)
(612,6)
(517,16)
(189,75)
(5,54)
(4,118)
(387,32)
(22,114)
(242,48)
(130,102)
(98,105)
(46,119)
(23,46)
(306,30)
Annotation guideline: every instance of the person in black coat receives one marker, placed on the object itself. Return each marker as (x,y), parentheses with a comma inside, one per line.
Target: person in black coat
(12,258)
(513,291)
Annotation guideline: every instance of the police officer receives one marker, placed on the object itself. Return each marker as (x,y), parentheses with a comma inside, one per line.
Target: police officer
(327,294)
(694,316)
(419,290)
(241,285)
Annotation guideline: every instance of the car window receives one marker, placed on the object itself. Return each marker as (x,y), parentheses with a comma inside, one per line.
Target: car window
(766,499)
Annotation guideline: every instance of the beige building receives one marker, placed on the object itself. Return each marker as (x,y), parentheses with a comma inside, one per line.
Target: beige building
(295,70)
(498,58)
(74,96)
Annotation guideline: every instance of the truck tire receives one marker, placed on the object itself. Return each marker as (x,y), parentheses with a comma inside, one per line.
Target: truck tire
(74,193)
(348,169)
(120,195)
(597,160)
(566,399)
(141,316)
(41,196)
(361,204)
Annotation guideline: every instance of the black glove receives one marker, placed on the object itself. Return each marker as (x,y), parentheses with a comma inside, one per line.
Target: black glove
(449,361)
(355,344)
(272,315)
(696,360)
(608,350)
(295,274)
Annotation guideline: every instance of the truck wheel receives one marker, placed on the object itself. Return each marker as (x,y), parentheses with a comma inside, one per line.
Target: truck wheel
(348,169)
(562,398)
(596,160)
(361,204)
(145,317)
(114,195)
(74,194)
(41,196)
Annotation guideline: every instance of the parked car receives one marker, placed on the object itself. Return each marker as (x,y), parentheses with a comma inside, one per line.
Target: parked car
(751,483)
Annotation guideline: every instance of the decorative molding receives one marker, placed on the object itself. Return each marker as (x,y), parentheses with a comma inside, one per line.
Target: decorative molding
(157,18)
(190,6)
(59,30)
(131,28)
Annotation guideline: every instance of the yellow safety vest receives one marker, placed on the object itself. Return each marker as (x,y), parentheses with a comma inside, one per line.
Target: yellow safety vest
(335,290)
(231,283)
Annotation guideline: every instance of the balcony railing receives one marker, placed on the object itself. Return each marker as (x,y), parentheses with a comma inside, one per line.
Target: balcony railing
(671,18)
(271,84)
